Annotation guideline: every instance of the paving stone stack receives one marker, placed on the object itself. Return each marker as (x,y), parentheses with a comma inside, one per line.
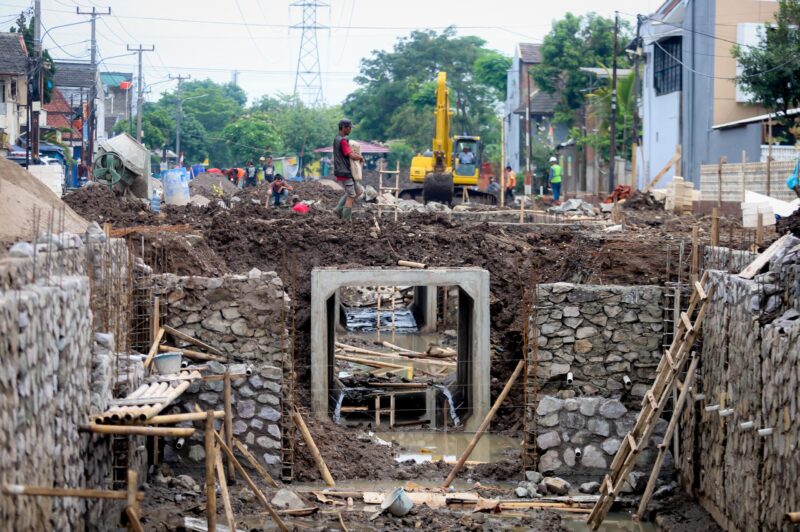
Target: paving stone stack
(241,315)
(579,436)
(600,334)
(751,363)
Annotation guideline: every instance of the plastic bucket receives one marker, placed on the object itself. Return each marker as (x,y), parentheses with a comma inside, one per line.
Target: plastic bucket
(397,502)
(167,363)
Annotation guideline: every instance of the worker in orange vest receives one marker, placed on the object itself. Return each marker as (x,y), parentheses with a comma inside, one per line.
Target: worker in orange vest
(511,184)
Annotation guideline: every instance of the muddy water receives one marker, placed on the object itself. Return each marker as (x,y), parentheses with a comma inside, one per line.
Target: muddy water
(366,319)
(615,522)
(448,446)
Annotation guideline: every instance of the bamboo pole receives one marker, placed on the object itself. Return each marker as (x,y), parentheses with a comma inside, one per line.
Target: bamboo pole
(380,299)
(189,353)
(502,162)
(132,508)
(634,155)
(760,229)
(253,462)
(183,336)
(406,355)
(138,430)
(411,264)
(155,328)
(695,253)
(312,447)
(223,488)
(396,190)
(228,419)
(484,424)
(211,491)
(17,490)
(673,423)
(179,418)
(793,517)
(368,362)
(252,485)
(134,525)
(769,157)
(153,348)
(744,167)
(394,312)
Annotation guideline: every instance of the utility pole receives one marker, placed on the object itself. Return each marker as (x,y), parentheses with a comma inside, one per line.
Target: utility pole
(180,114)
(637,52)
(308,78)
(94,13)
(139,98)
(37,64)
(612,151)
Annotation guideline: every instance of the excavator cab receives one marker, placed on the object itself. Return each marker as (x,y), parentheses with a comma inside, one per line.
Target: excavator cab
(466,160)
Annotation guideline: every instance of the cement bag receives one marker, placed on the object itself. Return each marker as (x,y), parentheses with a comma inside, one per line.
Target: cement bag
(176,187)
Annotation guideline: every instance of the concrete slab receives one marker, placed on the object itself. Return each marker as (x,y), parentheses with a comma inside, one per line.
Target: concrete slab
(473,364)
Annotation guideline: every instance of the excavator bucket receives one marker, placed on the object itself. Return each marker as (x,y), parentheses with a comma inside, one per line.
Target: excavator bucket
(438,187)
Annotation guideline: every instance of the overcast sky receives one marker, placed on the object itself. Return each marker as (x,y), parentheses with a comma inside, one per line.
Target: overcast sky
(212,38)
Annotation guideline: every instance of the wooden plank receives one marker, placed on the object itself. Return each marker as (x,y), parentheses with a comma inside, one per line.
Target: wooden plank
(753,268)
(253,462)
(17,490)
(223,489)
(632,443)
(312,447)
(686,323)
(183,336)
(370,362)
(154,348)
(653,182)
(701,293)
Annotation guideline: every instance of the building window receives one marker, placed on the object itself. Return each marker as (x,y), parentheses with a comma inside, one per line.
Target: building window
(667,66)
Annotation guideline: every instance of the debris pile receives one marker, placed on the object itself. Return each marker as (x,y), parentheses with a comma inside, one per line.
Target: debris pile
(643,201)
(574,207)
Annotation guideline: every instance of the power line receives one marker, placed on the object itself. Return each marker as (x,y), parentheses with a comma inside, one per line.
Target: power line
(250,33)
(308,79)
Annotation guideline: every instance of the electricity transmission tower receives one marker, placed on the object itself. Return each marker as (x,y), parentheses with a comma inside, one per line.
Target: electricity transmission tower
(308,79)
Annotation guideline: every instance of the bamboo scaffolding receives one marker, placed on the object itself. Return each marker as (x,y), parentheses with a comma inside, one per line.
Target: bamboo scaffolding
(154,348)
(179,418)
(223,489)
(433,361)
(253,462)
(211,491)
(17,490)
(150,399)
(183,336)
(189,353)
(368,362)
(228,418)
(139,430)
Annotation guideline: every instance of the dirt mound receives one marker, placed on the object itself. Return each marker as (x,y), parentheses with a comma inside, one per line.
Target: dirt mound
(327,191)
(643,201)
(791,224)
(99,204)
(205,182)
(20,194)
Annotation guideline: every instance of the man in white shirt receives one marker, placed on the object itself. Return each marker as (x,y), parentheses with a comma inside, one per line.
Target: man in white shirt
(466,156)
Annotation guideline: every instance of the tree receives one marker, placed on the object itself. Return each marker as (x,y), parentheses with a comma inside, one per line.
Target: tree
(575,42)
(396,94)
(491,69)
(252,135)
(25,27)
(770,72)
(598,103)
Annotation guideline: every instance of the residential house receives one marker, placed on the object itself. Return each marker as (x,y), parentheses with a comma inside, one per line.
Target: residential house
(13,88)
(119,98)
(77,81)
(520,86)
(60,116)
(689,95)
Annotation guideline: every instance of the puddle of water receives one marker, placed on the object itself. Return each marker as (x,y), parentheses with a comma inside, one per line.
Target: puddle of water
(366,319)
(615,522)
(434,446)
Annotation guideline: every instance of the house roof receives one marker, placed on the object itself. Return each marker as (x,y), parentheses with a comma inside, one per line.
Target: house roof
(604,73)
(13,54)
(366,147)
(70,74)
(530,53)
(752,119)
(59,113)
(113,79)
(542,103)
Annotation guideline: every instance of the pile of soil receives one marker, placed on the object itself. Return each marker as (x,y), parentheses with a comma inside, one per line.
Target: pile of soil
(790,224)
(643,201)
(99,204)
(325,190)
(204,183)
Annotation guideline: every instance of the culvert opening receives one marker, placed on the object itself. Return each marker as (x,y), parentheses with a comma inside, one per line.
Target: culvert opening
(400,348)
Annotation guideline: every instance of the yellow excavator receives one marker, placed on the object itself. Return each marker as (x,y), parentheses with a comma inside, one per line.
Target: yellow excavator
(443,175)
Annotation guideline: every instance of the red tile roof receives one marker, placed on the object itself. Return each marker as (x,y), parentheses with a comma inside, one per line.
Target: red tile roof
(59,113)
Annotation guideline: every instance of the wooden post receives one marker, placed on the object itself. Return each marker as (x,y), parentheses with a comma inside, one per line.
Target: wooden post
(769,156)
(228,420)
(502,161)
(484,424)
(380,297)
(223,488)
(744,172)
(715,226)
(722,161)
(377,411)
(396,189)
(391,411)
(760,230)
(323,468)
(155,325)
(132,504)
(634,149)
(394,312)
(211,491)
(695,253)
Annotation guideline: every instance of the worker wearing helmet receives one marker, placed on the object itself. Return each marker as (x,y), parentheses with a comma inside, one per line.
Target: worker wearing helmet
(555,179)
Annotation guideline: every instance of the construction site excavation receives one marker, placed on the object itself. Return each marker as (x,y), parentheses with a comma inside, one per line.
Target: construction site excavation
(543,296)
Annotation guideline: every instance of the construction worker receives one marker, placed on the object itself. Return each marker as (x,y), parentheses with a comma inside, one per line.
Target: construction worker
(342,155)
(269,169)
(250,174)
(555,179)
(279,191)
(511,184)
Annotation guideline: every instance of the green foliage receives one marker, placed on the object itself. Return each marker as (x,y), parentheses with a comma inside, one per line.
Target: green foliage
(575,42)
(252,135)
(491,69)
(399,150)
(396,94)
(599,104)
(158,126)
(25,27)
(769,71)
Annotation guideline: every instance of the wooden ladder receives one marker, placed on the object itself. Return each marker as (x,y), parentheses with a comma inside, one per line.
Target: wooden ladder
(671,365)
(395,190)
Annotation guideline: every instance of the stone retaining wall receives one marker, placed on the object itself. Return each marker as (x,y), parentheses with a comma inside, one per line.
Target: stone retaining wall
(600,334)
(243,316)
(52,377)
(751,363)
(579,436)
